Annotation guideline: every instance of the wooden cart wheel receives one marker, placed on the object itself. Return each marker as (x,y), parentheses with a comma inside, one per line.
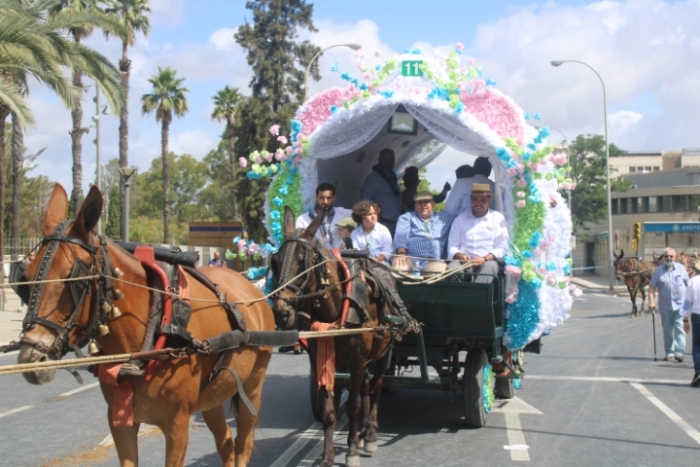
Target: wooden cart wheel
(478,388)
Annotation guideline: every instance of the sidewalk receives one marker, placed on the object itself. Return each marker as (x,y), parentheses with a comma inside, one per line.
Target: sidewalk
(599,283)
(10,318)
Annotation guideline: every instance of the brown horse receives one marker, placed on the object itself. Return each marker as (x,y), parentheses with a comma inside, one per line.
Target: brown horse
(636,274)
(57,318)
(318,291)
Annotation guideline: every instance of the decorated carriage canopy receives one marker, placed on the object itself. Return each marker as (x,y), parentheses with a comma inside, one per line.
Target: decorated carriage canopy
(417,106)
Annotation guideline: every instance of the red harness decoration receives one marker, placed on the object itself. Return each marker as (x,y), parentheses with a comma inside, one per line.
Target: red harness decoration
(325,355)
(123,409)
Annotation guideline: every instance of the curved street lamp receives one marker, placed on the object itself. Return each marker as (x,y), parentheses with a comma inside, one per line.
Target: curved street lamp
(611,273)
(351,45)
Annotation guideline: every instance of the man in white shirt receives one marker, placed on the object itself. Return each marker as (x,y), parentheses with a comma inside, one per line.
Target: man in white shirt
(327,233)
(458,199)
(479,235)
(691,314)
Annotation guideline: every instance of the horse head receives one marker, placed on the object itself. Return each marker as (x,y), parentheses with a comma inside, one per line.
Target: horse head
(58,314)
(619,263)
(299,268)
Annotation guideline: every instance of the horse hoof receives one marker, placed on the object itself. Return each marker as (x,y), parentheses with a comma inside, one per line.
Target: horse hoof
(361,443)
(370,447)
(352,461)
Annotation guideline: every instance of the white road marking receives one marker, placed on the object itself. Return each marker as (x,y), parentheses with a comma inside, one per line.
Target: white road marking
(317,450)
(512,408)
(80,389)
(298,445)
(18,409)
(144,429)
(607,379)
(675,418)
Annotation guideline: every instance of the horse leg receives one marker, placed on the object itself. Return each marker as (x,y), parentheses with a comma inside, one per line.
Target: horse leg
(246,421)
(177,434)
(330,417)
(216,422)
(126,441)
(633,299)
(365,409)
(635,310)
(357,377)
(372,424)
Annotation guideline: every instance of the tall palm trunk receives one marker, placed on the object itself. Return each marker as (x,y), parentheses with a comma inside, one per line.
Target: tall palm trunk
(232,163)
(125,69)
(4,112)
(76,135)
(17,175)
(166,177)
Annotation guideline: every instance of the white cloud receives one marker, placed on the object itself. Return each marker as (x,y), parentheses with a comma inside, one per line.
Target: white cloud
(223,39)
(195,142)
(168,13)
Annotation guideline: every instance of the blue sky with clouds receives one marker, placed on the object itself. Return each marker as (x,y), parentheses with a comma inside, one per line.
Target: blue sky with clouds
(647,51)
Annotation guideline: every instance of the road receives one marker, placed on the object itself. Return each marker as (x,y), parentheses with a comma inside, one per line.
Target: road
(595,396)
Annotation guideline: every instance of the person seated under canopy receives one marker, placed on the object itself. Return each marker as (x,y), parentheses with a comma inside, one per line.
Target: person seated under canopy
(421,236)
(370,234)
(479,235)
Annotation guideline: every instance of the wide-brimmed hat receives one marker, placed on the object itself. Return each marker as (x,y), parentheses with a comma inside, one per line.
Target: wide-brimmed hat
(346,222)
(423,196)
(481,189)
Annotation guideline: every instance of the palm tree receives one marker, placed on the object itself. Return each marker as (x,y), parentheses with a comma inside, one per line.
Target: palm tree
(78,32)
(167,99)
(33,47)
(225,103)
(132,15)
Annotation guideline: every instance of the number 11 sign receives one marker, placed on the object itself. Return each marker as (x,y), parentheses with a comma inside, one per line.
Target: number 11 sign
(412,68)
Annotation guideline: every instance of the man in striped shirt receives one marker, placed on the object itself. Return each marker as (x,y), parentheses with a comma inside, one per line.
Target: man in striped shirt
(421,236)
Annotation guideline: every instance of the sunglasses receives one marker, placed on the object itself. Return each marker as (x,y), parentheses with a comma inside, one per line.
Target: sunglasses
(669,256)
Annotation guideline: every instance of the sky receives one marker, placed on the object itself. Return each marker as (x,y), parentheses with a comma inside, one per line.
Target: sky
(646,51)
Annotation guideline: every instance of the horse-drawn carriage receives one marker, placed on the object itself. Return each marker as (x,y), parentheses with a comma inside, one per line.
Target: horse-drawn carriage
(411,104)
(418,107)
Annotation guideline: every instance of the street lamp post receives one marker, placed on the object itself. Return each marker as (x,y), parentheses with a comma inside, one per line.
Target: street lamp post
(611,272)
(352,46)
(126,174)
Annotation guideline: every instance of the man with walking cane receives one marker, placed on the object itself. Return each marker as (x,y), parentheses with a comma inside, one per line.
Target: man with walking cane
(671,280)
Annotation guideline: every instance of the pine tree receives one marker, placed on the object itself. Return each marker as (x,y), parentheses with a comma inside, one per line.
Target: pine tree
(278,62)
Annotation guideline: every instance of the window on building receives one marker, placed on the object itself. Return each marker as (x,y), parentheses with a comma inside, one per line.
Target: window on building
(694,202)
(614,205)
(679,203)
(652,204)
(693,178)
(657,168)
(634,206)
(644,204)
(664,203)
(647,169)
(633,169)
(623,206)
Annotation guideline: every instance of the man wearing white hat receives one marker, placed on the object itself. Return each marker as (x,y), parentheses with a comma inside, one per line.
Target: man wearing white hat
(479,235)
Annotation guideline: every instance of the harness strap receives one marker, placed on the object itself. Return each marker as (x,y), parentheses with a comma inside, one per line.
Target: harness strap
(347,288)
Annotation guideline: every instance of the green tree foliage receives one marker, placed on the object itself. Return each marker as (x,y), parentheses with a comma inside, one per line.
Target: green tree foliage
(167,99)
(219,195)
(112,222)
(278,61)
(188,179)
(588,170)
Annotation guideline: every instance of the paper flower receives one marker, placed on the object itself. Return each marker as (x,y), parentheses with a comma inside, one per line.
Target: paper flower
(275,130)
(282,139)
(334,67)
(521,203)
(242,161)
(269,156)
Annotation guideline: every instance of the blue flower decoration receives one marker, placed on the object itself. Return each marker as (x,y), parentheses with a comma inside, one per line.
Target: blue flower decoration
(415,51)
(334,109)
(284,190)
(387,94)
(274,215)
(236,240)
(346,76)
(378,67)
(459,107)
(334,67)
(538,117)
(532,147)
(490,82)
(277,201)
(527,116)
(363,87)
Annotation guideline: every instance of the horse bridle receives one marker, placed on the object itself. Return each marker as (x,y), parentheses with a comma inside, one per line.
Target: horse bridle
(629,264)
(313,255)
(79,291)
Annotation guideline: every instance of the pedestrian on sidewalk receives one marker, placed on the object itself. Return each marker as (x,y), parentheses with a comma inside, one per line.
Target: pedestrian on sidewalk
(691,315)
(671,281)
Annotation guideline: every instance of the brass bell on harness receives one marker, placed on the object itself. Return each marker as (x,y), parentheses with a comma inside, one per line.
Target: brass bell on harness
(106,307)
(118,294)
(93,348)
(115,312)
(102,330)
(117,272)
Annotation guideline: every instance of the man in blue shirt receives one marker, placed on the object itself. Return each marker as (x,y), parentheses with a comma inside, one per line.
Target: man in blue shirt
(421,236)
(671,280)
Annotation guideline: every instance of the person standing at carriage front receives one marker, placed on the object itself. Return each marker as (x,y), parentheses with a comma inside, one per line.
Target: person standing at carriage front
(327,233)
(382,187)
(671,281)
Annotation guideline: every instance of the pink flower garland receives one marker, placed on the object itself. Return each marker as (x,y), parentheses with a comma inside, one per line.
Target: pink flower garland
(495,110)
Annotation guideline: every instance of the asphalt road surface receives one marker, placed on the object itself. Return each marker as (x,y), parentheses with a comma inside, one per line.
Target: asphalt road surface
(595,396)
